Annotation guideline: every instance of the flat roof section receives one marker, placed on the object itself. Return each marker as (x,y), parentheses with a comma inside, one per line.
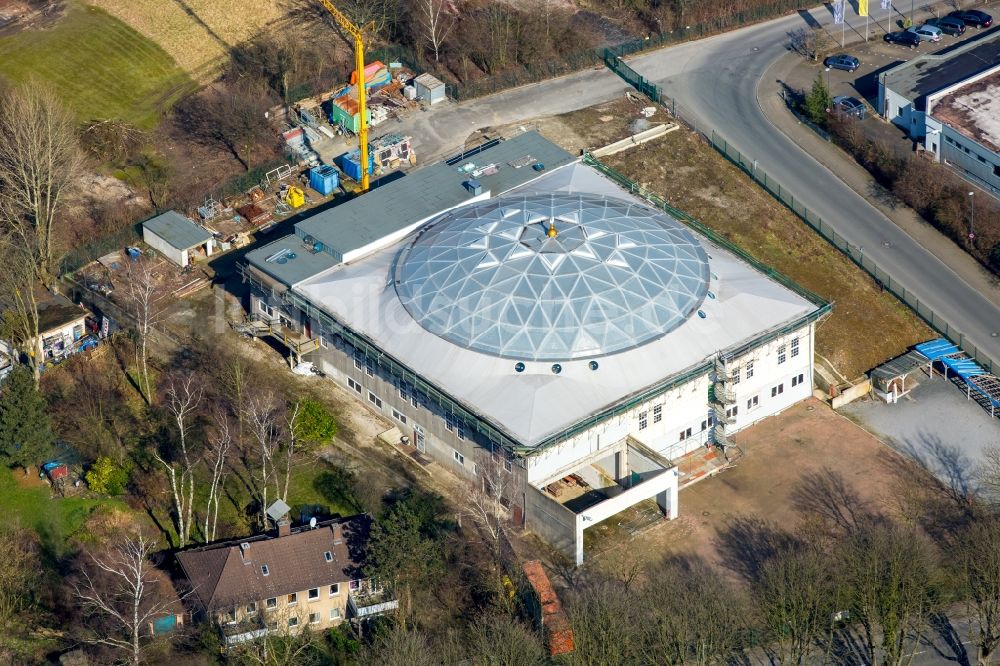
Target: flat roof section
(974,110)
(429,191)
(276,260)
(177,230)
(930,73)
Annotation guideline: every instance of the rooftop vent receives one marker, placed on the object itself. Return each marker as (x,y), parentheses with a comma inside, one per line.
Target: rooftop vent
(519,367)
(556,368)
(593,365)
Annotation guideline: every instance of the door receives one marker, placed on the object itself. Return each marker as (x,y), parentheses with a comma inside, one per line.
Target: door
(418,438)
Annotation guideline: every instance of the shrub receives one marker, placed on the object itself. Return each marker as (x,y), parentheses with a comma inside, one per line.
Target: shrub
(108,477)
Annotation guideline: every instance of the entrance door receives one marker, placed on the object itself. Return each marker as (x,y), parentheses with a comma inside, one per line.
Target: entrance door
(418,438)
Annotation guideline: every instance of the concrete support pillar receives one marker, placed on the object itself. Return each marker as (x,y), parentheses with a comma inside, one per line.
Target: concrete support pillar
(668,499)
(622,470)
(579,540)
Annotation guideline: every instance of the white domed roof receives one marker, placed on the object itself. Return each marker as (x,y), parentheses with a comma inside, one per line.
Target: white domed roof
(491,276)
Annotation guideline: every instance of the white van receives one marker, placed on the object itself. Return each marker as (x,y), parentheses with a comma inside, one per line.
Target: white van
(927,33)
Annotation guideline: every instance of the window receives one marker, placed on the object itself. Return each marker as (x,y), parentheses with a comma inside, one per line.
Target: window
(335,589)
(732,411)
(801,378)
(272,625)
(354,385)
(293,621)
(749,369)
(899,112)
(358,362)
(736,375)
(293,598)
(354,585)
(508,465)
(374,399)
(313,618)
(369,367)
(781,354)
(231,615)
(777,390)
(267,309)
(322,341)
(334,613)
(407,392)
(328,556)
(264,570)
(453,424)
(704,425)
(399,417)
(657,413)
(685,434)
(753,402)
(795,347)
(459,458)
(271,603)
(643,422)
(252,608)
(314,594)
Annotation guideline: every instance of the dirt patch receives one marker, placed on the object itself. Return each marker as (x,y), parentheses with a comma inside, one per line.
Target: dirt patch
(18,15)
(784,455)
(29,479)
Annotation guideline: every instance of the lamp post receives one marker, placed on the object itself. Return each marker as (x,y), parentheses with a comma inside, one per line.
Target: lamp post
(972,217)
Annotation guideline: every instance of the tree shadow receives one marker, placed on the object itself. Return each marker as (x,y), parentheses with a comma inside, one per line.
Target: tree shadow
(944,640)
(746,543)
(945,462)
(826,495)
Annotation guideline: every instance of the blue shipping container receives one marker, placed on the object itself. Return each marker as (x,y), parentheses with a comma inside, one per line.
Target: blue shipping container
(350,163)
(323,179)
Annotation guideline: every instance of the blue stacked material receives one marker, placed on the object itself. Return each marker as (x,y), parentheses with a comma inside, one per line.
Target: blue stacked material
(323,179)
(958,362)
(350,163)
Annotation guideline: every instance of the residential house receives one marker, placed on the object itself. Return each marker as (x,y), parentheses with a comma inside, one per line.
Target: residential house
(62,331)
(309,576)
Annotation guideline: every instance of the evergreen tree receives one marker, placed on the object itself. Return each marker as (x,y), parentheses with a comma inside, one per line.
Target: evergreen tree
(818,101)
(25,431)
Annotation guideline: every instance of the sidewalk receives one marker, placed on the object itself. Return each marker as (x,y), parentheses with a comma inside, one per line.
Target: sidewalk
(842,166)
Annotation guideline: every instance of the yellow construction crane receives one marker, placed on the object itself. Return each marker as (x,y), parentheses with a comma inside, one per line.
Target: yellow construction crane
(359,63)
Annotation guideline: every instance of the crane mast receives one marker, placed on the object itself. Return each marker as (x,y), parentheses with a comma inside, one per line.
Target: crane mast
(359,64)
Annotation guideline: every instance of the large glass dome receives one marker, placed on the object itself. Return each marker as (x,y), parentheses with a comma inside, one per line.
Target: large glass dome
(552,277)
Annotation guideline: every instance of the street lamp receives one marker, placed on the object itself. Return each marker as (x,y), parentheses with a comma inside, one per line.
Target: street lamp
(972,216)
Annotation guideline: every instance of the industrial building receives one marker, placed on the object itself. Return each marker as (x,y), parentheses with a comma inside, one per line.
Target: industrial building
(514,308)
(950,103)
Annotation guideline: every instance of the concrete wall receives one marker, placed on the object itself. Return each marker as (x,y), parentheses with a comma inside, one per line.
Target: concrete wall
(179,257)
(550,520)
(969,156)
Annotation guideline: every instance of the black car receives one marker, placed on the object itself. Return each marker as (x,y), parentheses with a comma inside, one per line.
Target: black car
(848,63)
(973,17)
(949,25)
(905,38)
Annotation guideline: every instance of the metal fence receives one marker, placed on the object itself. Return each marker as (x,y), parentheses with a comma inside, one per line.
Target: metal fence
(856,254)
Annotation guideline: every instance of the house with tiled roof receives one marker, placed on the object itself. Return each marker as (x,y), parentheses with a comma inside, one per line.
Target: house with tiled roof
(308,576)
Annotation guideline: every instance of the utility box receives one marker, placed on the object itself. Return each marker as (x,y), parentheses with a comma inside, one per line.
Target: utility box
(323,179)
(429,88)
(350,164)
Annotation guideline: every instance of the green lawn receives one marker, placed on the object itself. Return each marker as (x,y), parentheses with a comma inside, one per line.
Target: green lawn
(101,67)
(54,518)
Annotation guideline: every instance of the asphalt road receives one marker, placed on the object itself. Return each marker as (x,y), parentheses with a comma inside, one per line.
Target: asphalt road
(715,83)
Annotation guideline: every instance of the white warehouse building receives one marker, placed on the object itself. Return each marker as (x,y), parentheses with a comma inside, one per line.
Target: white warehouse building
(542,321)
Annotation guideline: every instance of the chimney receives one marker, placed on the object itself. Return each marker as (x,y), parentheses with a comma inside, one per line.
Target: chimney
(336,534)
(284,527)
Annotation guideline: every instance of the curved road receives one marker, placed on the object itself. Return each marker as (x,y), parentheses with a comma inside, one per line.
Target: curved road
(714,82)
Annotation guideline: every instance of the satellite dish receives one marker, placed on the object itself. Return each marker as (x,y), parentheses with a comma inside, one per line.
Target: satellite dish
(312,523)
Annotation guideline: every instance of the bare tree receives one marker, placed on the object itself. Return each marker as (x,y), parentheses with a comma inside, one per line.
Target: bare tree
(888,572)
(436,18)
(979,558)
(145,305)
(231,116)
(260,416)
(19,293)
(484,502)
(183,399)
(292,421)
(18,577)
(39,162)
(119,591)
(216,458)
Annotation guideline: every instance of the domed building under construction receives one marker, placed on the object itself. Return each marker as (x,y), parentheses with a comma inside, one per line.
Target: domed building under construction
(530,325)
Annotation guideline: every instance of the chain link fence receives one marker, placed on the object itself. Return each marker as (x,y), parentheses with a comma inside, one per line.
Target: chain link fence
(856,254)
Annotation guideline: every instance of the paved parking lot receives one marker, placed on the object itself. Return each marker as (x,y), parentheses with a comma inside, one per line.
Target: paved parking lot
(935,424)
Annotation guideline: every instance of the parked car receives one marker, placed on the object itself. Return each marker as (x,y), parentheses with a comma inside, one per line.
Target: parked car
(927,33)
(949,25)
(973,17)
(903,39)
(850,106)
(848,63)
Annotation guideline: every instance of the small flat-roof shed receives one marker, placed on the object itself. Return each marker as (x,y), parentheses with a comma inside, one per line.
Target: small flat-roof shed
(429,88)
(178,238)
(894,379)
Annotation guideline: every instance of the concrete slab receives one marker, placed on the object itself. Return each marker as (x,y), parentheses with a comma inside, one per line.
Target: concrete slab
(934,424)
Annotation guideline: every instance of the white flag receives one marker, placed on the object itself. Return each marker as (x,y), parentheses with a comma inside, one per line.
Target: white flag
(838,11)
(887,4)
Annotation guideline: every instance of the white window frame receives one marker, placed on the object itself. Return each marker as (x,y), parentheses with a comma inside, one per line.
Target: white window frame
(753,402)
(458,457)
(749,367)
(734,376)
(399,416)
(335,613)
(293,621)
(271,603)
(643,420)
(781,354)
(374,399)
(508,465)
(733,411)
(322,341)
(798,379)
(359,363)
(292,599)
(318,616)
(777,390)
(312,597)
(354,384)
(657,413)
(334,590)
(265,308)
(251,609)
(795,347)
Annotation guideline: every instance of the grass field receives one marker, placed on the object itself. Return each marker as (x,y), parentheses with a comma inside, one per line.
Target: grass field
(30,504)
(101,67)
(197,34)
